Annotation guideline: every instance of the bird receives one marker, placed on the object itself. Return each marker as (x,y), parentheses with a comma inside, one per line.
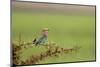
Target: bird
(43,38)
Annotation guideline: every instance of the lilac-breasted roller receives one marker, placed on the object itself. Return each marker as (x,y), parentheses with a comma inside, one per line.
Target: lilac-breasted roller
(43,38)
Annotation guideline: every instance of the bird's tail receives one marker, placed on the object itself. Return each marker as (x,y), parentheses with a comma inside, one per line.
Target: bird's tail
(34,41)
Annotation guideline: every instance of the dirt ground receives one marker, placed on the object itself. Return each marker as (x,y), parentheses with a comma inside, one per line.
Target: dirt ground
(55,7)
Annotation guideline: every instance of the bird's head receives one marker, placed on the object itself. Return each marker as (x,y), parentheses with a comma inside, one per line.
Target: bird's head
(45,31)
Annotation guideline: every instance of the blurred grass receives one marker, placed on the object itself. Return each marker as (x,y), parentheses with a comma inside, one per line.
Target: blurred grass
(67,30)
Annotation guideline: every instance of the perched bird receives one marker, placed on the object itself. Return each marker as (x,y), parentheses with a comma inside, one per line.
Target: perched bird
(43,37)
